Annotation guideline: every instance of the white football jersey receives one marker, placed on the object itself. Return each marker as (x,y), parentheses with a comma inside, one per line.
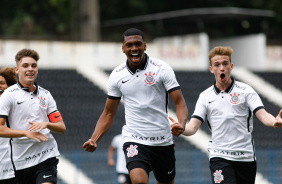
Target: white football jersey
(145,94)
(229,115)
(121,163)
(20,107)
(6,167)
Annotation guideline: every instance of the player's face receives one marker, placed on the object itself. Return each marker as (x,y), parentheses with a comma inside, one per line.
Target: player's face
(134,47)
(221,67)
(3,84)
(27,70)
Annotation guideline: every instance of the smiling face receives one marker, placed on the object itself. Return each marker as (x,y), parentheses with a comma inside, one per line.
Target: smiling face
(221,67)
(134,48)
(27,70)
(3,84)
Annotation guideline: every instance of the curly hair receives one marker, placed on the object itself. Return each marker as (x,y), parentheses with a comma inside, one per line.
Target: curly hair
(9,74)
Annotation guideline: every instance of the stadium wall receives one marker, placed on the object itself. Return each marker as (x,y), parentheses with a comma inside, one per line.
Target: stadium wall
(188,52)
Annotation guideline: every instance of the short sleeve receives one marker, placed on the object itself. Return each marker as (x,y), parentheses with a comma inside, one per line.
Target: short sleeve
(5,104)
(169,79)
(200,109)
(253,100)
(52,106)
(113,90)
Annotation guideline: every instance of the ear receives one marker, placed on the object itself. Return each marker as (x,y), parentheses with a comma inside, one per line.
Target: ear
(231,66)
(122,48)
(145,46)
(211,69)
(16,69)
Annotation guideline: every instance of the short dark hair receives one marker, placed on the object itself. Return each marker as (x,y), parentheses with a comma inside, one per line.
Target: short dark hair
(26,53)
(131,32)
(9,75)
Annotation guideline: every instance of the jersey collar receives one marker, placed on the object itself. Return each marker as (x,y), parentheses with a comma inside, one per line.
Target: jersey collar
(26,89)
(143,67)
(228,90)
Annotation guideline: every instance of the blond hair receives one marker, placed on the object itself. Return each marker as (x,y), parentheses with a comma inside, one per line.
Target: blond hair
(227,51)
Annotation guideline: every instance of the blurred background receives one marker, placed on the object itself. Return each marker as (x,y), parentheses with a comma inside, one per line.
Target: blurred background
(79,42)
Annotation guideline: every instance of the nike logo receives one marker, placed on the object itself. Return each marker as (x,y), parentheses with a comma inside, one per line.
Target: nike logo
(125,81)
(20,102)
(169,172)
(47,176)
(57,116)
(211,101)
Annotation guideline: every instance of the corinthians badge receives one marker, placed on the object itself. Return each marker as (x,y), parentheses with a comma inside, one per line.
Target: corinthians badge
(150,78)
(235,98)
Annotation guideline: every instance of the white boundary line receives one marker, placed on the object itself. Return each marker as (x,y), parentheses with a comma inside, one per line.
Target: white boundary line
(70,174)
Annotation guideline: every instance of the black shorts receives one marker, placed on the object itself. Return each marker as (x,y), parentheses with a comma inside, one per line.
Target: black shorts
(8,181)
(159,159)
(232,172)
(45,171)
(123,178)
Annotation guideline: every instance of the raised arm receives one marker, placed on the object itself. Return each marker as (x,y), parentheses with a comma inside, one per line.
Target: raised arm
(181,112)
(103,124)
(268,119)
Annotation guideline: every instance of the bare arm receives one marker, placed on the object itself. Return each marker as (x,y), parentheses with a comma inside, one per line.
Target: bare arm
(268,119)
(57,126)
(111,152)
(11,133)
(181,112)
(191,128)
(104,123)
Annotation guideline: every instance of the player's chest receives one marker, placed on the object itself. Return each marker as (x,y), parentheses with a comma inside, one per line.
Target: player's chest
(139,81)
(30,101)
(224,103)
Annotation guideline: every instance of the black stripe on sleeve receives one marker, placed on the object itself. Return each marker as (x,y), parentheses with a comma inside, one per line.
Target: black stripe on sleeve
(173,89)
(53,112)
(4,116)
(198,117)
(114,97)
(258,108)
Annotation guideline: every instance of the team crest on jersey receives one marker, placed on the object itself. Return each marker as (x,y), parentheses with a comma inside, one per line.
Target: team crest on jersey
(132,151)
(235,98)
(218,177)
(150,78)
(42,101)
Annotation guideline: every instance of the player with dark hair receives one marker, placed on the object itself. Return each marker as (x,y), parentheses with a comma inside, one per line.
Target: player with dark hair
(144,83)
(229,106)
(7,78)
(29,108)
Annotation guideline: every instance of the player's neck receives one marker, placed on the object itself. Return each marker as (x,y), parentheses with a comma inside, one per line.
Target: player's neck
(222,86)
(31,86)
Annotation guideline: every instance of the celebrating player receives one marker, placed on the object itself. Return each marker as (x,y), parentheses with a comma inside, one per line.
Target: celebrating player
(144,83)
(28,107)
(228,106)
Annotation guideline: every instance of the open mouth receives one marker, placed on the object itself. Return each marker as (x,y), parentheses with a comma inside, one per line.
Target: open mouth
(222,76)
(1,91)
(135,57)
